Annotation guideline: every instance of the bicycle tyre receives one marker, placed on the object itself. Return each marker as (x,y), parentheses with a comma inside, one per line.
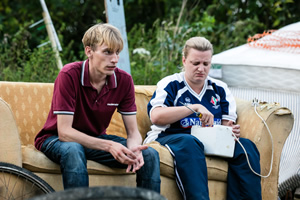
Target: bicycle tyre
(17,183)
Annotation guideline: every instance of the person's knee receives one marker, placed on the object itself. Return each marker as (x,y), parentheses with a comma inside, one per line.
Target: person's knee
(249,146)
(191,142)
(73,155)
(150,172)
(72,148)
(150,155)
(246,141)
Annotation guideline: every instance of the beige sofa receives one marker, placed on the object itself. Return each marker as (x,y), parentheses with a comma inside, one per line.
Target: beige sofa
(24,108)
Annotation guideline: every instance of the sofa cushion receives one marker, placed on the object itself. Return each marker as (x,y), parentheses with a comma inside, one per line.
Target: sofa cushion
(36,161)
(217,167)
(143,95)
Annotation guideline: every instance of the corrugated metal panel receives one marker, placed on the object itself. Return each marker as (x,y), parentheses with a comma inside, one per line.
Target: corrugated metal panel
(289,172)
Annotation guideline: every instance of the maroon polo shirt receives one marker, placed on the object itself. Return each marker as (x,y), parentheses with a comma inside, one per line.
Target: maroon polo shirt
(74,95)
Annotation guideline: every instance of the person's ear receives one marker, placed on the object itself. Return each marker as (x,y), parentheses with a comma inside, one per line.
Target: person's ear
(183,60)
(88,51)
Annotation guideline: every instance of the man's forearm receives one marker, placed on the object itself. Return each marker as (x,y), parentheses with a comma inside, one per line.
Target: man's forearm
(134,139)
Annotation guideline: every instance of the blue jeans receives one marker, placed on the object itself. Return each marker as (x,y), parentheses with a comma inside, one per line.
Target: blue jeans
(73,157)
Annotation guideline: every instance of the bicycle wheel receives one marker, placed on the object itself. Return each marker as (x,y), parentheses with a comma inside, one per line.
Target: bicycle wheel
(17,183)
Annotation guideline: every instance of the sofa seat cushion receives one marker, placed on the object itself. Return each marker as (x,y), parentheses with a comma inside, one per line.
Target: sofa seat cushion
(37,162)
(217,168)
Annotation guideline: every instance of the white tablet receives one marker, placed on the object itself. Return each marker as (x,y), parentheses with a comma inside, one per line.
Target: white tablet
(217,140)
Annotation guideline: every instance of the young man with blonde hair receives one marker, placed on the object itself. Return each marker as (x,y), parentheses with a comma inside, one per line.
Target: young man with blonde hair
(85,96)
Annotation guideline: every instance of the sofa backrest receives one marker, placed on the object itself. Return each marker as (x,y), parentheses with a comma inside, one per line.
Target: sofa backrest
(30,104)
(143,95)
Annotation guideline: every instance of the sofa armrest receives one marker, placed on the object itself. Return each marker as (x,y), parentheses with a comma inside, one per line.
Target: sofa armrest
(280,122)
(10,144)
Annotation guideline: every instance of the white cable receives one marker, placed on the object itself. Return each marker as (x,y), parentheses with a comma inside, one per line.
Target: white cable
(255,103)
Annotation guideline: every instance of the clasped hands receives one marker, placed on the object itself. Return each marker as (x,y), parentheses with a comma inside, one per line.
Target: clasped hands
(132,157)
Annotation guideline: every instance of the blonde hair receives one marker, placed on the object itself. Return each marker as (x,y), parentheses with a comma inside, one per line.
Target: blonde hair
(103,34)
(199,43)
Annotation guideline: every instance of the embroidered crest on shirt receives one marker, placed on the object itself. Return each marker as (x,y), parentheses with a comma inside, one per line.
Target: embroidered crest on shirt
(187,99)
(214,101)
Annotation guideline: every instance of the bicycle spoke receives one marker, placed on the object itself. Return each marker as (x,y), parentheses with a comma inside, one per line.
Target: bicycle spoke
(17,183)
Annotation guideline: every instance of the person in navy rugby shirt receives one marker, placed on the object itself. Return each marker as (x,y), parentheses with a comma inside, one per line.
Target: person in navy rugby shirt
(85,96)
(172,123)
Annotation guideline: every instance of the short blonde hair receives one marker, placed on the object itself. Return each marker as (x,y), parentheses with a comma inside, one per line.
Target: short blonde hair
(199,43)
(103,34)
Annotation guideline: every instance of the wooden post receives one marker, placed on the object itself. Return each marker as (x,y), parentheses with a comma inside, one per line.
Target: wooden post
(52,40)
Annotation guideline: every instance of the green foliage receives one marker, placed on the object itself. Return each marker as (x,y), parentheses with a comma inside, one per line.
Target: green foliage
(20,63)
(41,66)
(156,32)
(226,24)
(164,42)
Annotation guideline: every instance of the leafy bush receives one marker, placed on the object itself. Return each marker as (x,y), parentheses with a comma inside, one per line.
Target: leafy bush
(156,32)
(164,42)
(20,63)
